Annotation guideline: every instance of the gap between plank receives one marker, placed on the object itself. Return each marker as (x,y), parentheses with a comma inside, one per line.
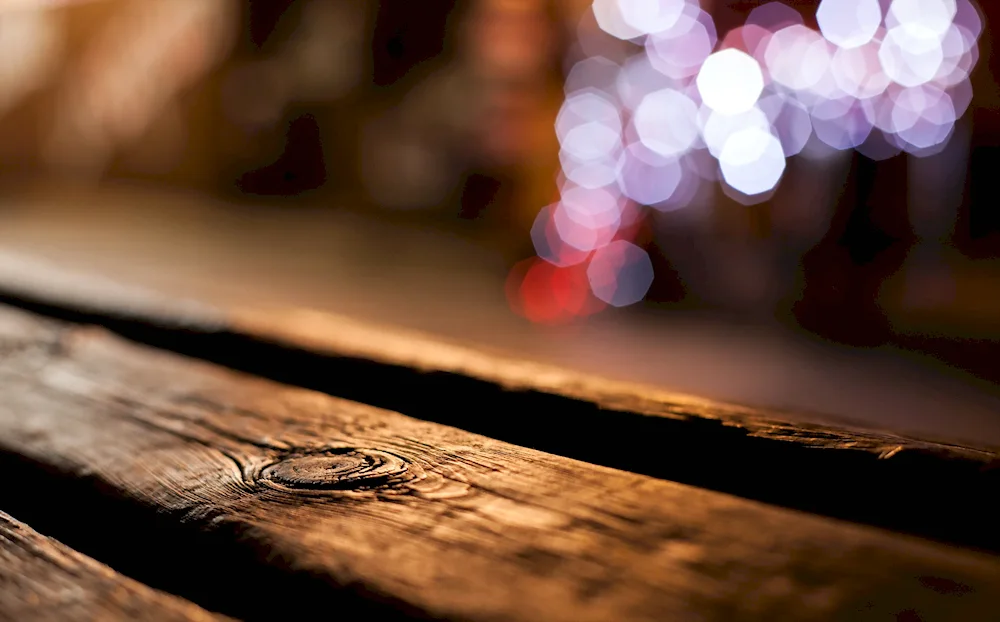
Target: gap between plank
(43,579)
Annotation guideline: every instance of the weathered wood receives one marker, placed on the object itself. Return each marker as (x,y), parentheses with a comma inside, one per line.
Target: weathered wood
(286,502)
(41,579)
(934,489)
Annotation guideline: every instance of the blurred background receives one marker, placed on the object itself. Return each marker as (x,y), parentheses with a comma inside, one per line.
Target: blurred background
(785,204)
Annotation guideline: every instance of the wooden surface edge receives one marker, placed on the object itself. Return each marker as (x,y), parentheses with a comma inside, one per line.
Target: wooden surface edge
(41,579)
(340,336)
(30,281)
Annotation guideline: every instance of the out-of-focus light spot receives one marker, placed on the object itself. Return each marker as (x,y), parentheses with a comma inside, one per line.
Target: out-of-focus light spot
(923,117)
(967,16)
(730,82)
(590,105)
(909,104)
(701,164)
(587,218)
(911,54)
(790,121)
(926,152)
(549,246)
(773,88)
(878,110)
(633,215)
(586,115)
(849,23)
(754,39)
(591,140)
(680,51)
(932,129)
(752,161)
(592,41)
(591,173)
(960,53)
(934,15)
(961,96)
(797,57)
(666,122)
(841,123)
(736,39)
(612,21)
(774,16)
(620,274)
(857,71)
(651,16)
(548,294)
(648,178)
(689,189)
(638,78)
(719,127)
(878,147)
(592,73)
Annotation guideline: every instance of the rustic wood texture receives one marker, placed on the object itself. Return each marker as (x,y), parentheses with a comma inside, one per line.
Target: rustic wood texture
(40,579)
(288,502)
(935,489)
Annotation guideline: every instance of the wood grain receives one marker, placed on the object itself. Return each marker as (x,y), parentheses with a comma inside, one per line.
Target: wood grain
(931,488)
(40,579)
(288,502)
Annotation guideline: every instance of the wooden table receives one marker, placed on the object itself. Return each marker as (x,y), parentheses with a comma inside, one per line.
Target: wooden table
(174,460)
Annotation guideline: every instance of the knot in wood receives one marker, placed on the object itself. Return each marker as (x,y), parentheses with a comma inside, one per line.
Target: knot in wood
(339,469)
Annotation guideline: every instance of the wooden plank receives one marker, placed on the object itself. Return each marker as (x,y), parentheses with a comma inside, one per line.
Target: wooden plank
(876,477)
(287,502)
(41,579)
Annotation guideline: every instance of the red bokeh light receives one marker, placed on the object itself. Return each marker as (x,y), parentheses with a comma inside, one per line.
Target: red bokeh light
(547,294)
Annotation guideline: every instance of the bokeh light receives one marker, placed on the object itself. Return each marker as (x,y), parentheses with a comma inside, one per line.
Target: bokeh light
(667,122)
(612,21)
(680,51)
(932,15)
(790,121)
(730,81)
(774,16)
(647,177)
(796,57)
(593,73)
(549,246)
(587,218)
(857,71)
(841,123)
(638,78)
(849,23)
(911,54)
(677,110)
(651,16)
(620,273)
(924,117)
(718,127)
(752,161)
(549,294)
